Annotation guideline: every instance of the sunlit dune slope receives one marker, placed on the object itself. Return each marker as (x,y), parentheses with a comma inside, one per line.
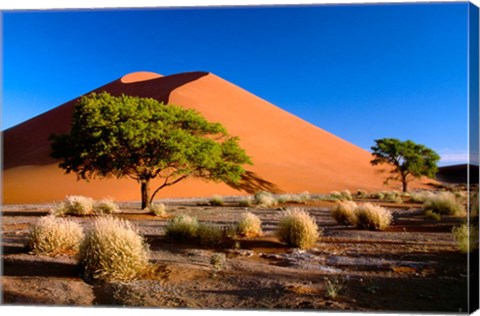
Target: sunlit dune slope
(289,154)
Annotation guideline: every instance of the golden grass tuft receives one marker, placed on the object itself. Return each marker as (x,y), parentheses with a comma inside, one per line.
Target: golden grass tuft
(466,237)
(372,217)
(249,226)
(297,228)
(182,227)
(113,250)
(106,206)
(52,236)
(74,205)
(264,199)
(444,203)
(344,212)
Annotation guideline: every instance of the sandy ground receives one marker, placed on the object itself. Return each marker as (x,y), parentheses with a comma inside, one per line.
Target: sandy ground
(413,266)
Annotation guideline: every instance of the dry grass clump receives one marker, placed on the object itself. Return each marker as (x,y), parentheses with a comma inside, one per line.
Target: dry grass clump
(444,203)
(342,196)
(106,206)
(392,196)
(297,228)
(246,201)
(361,194)
(113,250)
(376,196)
(74,205)
(432,215)
(249,226)
(216,200)
(420,196)
(344,212)
(157,209)
(264,199)
(182,227)
(372,217)
(466,237)
(52,236)
(209,234)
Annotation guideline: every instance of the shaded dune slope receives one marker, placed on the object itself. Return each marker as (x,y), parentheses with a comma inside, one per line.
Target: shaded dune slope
(289,154)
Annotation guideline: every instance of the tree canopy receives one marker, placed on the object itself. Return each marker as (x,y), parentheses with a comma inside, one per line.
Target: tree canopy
(143,139)
(407,160)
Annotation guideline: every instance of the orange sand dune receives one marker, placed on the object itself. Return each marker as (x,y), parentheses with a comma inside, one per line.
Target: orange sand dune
(289,154)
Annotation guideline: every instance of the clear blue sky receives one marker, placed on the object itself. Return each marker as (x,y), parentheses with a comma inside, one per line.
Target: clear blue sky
(361,72)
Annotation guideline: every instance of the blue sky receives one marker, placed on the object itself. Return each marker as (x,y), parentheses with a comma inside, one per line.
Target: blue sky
(361,72)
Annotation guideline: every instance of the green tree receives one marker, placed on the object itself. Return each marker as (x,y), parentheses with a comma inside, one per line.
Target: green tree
(407,160)
(144,139)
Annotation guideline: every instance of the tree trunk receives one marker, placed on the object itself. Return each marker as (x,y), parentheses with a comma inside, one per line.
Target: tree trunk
(404,182)
(145,193)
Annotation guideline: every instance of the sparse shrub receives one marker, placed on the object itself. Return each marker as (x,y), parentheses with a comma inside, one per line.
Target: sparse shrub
(346,195)
(466,237)
(376,196)
(432,215)
(335,195)
(361,194)
(305,196)
(113,250)
(334,287)
(209,234)
(264,199)
(344,212)
(420,196)
(74,205)
(284,198)
(106,206)
(444,203)
(373,217)
(216,200)
(52,236)
(246,201)
(218,262)
(182,227)
(392,196)
(249,226)
(157,209)
(297,228)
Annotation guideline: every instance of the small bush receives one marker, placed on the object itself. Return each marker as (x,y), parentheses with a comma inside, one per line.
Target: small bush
(210,234)
(157,209)
(246,201)
(466,237)
(420,196)
(346,195)
(392,196)
(74,205)
(373,217)
(284,198)
(216,200)
(106,206)
(182,227)
(113,250)
(297,228)
(444,203)
(264,199)
(52,236)
(376,196)
(249,226)
(218,262)
(305,196)
(344,212)
(361,194)
(432,215)
(335,195)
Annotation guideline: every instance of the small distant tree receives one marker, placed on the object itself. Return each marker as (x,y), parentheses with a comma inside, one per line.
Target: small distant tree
(407,160)
(144,139)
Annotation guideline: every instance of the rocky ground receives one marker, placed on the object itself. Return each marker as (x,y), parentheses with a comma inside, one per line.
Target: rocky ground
(414,265)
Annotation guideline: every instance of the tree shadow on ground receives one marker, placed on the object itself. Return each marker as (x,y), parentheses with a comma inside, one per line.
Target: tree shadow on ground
(252,183)
(19,267)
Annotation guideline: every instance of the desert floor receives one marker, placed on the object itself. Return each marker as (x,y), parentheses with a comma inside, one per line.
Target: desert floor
(412,266)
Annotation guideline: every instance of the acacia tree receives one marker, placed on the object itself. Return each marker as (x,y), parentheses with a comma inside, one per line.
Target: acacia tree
(407,159)
(144,139)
